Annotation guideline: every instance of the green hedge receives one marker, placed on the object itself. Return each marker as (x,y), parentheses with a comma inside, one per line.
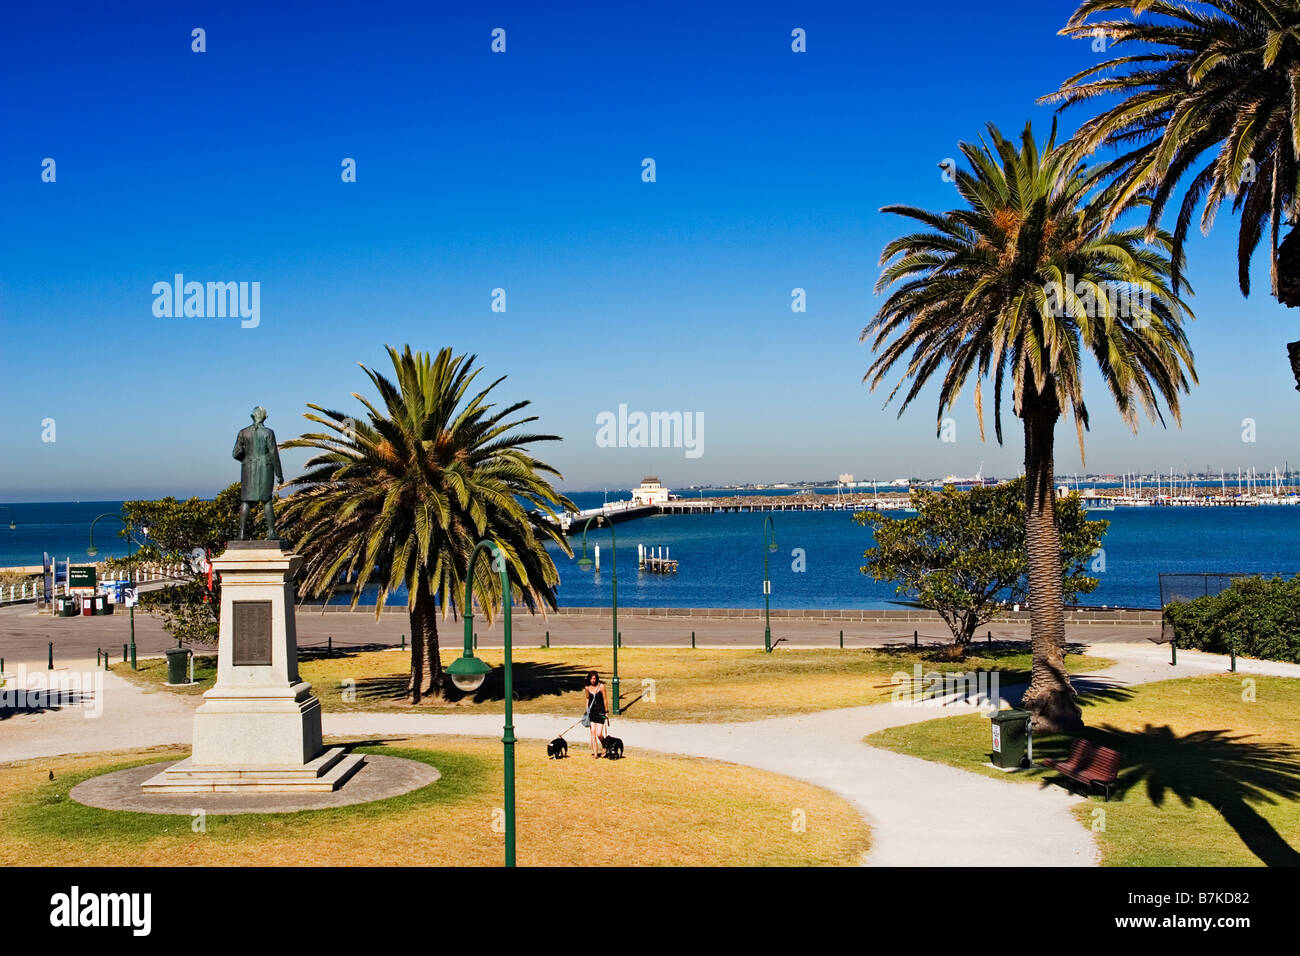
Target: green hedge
(1260,618)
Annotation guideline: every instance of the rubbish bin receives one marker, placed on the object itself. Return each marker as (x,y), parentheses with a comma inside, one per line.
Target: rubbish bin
(177,658)
(1010,737)
(65,607)
(87,606)
(101,605)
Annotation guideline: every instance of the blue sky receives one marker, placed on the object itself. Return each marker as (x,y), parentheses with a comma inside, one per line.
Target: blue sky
(522,171)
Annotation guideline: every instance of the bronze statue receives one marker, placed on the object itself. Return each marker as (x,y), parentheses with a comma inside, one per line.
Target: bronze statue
(255,447)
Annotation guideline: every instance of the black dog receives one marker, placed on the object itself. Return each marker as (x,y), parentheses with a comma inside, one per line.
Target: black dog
(557,749)
(613,747)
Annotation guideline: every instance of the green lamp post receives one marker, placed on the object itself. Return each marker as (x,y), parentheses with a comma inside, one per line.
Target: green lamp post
(467,673)
(92,551)
(769,545)
(584,563)
(12,525)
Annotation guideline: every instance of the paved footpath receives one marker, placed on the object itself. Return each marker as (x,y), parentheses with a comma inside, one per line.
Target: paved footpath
(921,813)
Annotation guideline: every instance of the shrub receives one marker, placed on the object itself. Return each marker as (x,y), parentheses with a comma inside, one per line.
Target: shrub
(1258,617)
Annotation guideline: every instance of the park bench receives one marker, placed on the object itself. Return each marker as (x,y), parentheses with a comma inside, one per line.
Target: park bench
(1088,763)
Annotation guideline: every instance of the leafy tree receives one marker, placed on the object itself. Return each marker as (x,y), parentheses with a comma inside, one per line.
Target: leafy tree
(1022,284)
(1206,95)
(170,532)
(964,553)
(402,494)
(1255,616)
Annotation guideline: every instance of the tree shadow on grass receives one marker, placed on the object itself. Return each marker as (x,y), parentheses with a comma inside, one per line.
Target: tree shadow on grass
(530,680)
(1228,771)
(388,687)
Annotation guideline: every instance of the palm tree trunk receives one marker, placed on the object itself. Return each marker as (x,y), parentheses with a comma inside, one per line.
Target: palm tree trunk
(415,684)
(429,674)
(1050,697)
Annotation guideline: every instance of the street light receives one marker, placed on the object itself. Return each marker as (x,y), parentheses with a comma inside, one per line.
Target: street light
(92,551)
(769,546)
(467,673)
(584,563)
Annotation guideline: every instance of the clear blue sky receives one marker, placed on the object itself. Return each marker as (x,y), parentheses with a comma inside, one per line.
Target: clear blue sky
(523,171)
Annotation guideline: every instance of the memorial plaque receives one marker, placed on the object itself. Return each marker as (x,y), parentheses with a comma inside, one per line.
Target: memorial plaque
(252,628)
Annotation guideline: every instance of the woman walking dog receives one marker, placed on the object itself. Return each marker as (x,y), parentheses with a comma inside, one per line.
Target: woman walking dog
(597,707)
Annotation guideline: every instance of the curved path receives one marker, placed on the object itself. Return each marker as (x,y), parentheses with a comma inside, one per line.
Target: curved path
(921,813)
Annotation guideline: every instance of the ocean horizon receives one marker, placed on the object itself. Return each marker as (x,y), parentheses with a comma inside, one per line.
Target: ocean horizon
(721,555)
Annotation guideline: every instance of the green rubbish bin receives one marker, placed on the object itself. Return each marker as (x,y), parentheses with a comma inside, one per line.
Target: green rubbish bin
(1010,738)
(177,658)
(67,606)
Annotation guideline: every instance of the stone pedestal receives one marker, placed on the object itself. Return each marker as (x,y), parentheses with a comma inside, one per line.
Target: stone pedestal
(259,726)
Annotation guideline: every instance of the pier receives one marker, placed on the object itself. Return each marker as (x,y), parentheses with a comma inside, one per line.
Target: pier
(656,562)
(1094,499)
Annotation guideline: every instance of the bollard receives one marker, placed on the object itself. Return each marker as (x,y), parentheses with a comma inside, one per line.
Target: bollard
(123,653)
(475,642)
(403,642)
(692,638)
(1232,650)
(916,641)
(548,638)
(51,664)
(97,653)
(841,638)
(620,638)
(990,637)
(106,660)
(1173,651)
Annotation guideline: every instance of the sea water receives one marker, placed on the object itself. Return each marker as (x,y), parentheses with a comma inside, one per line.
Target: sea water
(816,564)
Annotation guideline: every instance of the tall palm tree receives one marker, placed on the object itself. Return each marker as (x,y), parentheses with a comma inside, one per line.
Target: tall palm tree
(402,495)
(1020,285)
(1208,94)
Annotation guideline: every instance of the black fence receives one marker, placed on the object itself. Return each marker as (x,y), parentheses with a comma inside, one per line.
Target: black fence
(1176,588)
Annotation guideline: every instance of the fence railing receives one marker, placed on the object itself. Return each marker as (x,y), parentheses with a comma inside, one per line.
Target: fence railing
(1179,587)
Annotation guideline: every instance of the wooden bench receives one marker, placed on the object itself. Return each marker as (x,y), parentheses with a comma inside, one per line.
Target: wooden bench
(1088,763)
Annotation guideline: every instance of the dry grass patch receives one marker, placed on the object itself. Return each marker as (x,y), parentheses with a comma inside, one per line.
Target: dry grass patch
(701,685)
(646,810)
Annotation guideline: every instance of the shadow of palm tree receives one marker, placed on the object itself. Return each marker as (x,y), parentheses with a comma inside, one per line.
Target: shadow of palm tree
(388,687)
(323,652)
(1229,772)
(530,681)
(14,701)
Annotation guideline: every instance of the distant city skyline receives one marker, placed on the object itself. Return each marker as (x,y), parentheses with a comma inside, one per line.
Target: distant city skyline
(515,180)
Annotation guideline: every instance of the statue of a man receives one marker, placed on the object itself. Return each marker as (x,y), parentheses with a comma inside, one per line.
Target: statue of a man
(255,447)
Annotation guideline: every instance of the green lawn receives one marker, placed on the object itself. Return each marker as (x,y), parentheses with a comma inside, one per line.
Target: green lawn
(1207,779)
(645,810)
(673,684)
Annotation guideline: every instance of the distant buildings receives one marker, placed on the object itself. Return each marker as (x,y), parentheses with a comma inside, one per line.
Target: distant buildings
(650,491)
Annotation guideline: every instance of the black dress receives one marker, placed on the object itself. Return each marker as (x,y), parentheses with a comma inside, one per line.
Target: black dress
(597,703)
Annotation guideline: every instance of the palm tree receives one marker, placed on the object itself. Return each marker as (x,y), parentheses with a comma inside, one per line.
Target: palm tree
(1018,285)
(1208,93)
(401,497)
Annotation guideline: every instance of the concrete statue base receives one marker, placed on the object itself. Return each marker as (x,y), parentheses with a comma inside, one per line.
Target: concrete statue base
(258,728)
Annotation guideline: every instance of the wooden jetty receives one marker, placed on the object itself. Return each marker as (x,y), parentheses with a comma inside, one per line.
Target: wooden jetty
(648,560)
